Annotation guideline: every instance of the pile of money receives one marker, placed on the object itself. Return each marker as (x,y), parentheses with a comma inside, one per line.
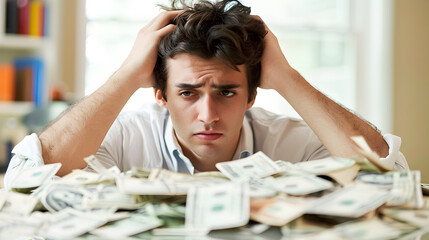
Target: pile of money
(331,198)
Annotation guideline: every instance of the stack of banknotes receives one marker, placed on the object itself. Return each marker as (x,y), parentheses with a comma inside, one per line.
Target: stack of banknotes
(331,198)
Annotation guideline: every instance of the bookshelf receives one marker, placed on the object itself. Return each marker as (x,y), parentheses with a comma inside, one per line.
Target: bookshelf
(47,49)
(20,42)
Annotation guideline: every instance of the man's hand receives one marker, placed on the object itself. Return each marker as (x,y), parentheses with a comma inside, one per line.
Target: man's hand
(80,132)
(139,64)
(333,124)
(274,64)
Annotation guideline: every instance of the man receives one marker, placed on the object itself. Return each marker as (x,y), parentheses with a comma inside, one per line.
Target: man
(207,61)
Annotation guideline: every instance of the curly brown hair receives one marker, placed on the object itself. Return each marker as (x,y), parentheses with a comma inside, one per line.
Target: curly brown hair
(223,29)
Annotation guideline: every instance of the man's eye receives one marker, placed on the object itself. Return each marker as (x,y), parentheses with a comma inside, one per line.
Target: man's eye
(227,93)
(186,93)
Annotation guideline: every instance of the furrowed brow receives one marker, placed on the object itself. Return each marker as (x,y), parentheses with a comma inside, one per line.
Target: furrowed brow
(188,86)
(226,86)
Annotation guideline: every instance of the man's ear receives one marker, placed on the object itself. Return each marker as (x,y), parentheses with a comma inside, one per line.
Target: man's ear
(250,104)
(159,98)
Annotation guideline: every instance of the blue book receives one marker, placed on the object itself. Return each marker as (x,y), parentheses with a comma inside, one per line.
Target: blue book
(37,75)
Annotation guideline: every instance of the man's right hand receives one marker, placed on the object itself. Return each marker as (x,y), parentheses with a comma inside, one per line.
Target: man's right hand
(80,132)
(138,66)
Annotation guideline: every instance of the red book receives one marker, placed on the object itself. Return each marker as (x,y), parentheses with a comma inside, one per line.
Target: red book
(7,91)
(23,16)
(42,19)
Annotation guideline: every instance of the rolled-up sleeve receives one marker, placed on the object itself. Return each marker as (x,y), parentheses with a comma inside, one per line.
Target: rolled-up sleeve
(28,153)
(395,159)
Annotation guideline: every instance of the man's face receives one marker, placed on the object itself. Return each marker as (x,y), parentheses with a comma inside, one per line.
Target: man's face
(207,101)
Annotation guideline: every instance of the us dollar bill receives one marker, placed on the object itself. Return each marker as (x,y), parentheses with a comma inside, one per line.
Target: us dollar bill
(276,211)
(30,178)
(352,201)
(299,185)
(134,224)
(369,229)
(69,224)
(18,204)
(107,196)
(325,165)
(224,205)
(57,196)
(406,190)
(141,186)
(257,165)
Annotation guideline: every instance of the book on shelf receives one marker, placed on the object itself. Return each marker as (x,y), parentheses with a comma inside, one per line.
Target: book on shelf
(7,79)
(26,17)
(11,16)
(24,85)
(29,80)
(23,16)
(22,80)
(36,18)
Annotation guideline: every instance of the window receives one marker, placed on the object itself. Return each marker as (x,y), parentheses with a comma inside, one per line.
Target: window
(323,40)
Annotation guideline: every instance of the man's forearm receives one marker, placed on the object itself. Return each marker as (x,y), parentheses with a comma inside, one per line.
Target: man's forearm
(81,130)
(332,123)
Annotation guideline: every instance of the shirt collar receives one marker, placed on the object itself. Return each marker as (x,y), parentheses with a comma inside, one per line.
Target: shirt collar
(180,163)
(245,144)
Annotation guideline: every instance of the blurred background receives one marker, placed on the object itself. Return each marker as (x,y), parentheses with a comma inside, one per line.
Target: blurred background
(369,55)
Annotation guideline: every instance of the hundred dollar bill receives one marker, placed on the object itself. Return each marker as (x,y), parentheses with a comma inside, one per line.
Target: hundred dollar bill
(299,185)
(352,201)
(418,217)
(141,186)
(400,225)
(325,165)
(276,211)
(257,165)
(305,227)
(14,227)
(69,224)
(369,229)
(81,177)
(164,174)
(109,196)
(221,206)
(184,181)
(18,204)
(95,164)
(33,177)
(406,190)
(285,166)
(191,234)
(56,197)
(140,172)
(172,215)
(261,187)
(134,224)
(380,179)
(212,174)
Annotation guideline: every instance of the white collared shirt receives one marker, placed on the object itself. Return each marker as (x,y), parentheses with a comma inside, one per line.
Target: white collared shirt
(145,139)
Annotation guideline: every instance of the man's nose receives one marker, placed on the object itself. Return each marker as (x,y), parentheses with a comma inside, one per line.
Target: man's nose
(208,110)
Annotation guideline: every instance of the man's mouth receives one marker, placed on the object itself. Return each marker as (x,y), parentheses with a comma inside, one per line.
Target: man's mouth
(208,135)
